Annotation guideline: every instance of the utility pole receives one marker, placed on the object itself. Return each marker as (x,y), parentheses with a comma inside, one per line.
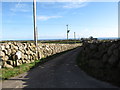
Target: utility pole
(35,25)
(67,32)
(34,19)
(75,37)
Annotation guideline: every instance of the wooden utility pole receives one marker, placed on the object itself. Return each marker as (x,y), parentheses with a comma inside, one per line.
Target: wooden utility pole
(67,32)
(75,37)
(35,27)
(34,19)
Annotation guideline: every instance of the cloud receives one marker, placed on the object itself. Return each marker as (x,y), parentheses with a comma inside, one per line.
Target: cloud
(44,18)
(75,5)
(20,8)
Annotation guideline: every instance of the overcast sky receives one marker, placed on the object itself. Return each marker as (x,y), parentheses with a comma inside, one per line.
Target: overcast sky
(97,19)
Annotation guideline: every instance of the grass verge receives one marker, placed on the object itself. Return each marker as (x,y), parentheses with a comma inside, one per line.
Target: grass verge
(7,73)
(110,75)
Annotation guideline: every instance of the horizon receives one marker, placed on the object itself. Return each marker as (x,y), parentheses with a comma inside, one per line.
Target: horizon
(97,19)
(100,38)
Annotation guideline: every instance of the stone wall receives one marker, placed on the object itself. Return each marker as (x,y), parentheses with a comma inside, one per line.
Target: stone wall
(101,54)
(15,54)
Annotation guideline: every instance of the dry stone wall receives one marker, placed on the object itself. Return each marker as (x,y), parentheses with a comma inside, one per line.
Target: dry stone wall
(13,54)
(102,54)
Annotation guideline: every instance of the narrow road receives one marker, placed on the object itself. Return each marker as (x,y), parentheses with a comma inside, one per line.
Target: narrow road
(61,72)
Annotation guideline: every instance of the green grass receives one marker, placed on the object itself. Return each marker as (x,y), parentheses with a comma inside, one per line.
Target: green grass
(62,41)
(7,73)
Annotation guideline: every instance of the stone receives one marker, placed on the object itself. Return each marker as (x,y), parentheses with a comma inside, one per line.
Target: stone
(87,50)
(113,46)
(109,52)
(95,63)
(1,62)
(4,58)
(28,52)
(119,65)
(39,55)
(115,52)
(5,51)
(32,60)
(2,47)
(18,63)
(34,57)
(15,43)
(25,46)
(89,54)
(23,61)
(22,56)
(42,56)
(25,57)
(101,47)
(10,62)
(9,51)
(110,49)
(20,48)
(15,57)
(15,47)
(9,43)
(7,46)
(119,48)
(105,58)
(22,51)
(113,60)
(29,61)
(18,54)
(32,45)
(28,45)
(31,57)
(7,65)
(28,57)
(13,51)
(2,53)
(98,55)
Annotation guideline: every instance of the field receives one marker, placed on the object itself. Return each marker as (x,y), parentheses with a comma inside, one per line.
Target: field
(44,41)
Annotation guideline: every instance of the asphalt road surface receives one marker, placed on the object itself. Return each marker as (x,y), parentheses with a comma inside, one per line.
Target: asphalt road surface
(61,72)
